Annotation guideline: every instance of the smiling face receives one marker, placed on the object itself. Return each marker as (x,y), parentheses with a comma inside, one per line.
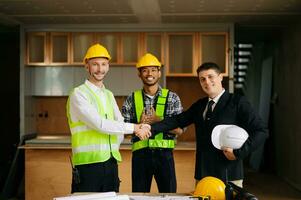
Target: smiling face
(211,82)
(149,75)
(97,69)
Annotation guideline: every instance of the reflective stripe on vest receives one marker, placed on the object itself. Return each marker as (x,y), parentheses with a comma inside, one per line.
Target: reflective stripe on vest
(88,145)
(95,147)
(158,141)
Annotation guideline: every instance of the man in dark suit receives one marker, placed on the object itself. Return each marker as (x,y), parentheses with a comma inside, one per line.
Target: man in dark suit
(220,107)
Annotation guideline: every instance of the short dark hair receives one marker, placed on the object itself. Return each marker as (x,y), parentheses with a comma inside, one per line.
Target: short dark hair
(208,65)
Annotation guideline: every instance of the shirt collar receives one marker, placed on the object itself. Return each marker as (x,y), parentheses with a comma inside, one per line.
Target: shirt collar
(94,87)
(216,99)
(159,92)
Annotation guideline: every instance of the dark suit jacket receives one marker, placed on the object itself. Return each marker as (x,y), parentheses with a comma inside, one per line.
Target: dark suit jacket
(230,109)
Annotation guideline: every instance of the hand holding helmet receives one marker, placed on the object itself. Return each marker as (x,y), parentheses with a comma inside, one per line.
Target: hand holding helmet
(228,136)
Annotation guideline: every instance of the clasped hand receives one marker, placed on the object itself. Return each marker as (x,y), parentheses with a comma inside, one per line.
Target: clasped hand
(143,131)
(149,116)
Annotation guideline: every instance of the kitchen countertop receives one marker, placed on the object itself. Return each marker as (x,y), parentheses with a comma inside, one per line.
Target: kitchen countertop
(63,142)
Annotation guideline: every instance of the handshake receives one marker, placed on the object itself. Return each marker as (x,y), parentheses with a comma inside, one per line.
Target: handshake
(143,131)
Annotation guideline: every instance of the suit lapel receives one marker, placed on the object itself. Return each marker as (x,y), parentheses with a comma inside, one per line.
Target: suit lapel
(218,108)
(202,107)
(221,103)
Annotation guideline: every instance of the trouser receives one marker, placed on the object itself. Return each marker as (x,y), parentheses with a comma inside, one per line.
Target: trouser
(97,177)
(159,163)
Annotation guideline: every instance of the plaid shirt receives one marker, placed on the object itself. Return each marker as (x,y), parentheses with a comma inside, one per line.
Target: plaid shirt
(173,105)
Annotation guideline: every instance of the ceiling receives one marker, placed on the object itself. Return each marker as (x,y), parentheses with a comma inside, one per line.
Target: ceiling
(29,12)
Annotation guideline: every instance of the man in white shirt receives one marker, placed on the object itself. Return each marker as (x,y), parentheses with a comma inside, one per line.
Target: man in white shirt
(97,128)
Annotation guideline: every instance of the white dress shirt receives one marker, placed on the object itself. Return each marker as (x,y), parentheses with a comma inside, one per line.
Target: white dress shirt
(215,100)
(82,110)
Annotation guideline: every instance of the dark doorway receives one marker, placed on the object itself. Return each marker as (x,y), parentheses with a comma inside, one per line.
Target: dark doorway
(10,90)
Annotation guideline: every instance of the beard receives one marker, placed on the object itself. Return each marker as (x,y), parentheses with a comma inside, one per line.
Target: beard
(98,76)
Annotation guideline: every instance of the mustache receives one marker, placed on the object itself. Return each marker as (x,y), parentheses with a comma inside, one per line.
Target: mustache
(99,72)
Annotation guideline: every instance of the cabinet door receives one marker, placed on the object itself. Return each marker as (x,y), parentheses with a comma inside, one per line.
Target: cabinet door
(59,48)
(154,45)
(180,54)
(214,49)
(36,48)
(129,48)
(110,41)
(80,44)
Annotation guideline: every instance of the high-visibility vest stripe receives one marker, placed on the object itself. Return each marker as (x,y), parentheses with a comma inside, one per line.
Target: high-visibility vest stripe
(88,145)
(158,141)
(160,108)
(79,129)
(153,143)
(95,147)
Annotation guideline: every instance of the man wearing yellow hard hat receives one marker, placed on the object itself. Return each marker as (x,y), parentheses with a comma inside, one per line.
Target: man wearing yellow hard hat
(97,128)
(154,156)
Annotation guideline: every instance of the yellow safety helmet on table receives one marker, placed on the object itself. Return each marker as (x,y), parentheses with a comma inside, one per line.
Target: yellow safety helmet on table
(210,187)
(97,51)
(148,60)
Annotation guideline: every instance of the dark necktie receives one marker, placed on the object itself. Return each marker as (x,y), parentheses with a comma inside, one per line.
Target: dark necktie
(209,110)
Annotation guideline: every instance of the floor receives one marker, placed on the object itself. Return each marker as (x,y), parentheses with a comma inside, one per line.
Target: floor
(269,187)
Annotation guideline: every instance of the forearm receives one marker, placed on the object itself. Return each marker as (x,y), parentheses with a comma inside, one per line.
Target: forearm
(178,121)
(256,128)
(88,115)
(255,140)
(166,125)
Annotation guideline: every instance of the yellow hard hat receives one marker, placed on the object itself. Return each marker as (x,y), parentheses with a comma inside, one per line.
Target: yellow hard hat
(148,60)
(210,186)
(96,51)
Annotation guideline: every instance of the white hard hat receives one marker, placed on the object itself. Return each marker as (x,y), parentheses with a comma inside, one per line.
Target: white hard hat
(231,136)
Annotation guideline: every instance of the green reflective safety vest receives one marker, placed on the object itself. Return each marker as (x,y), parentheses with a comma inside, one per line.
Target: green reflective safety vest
(89,145)
(158,141)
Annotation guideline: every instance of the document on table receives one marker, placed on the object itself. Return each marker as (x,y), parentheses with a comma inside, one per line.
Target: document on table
(95,196)
(162,197)
(114,196)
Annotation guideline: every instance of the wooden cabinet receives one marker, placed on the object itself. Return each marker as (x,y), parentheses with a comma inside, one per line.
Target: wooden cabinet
(111,41)
(59,48)
(187,51)
(130,48)
(181,59)
(153,43)
(44,48)
(47,173)
(124,48)
(180,52)
(80,42)
(214,48)
(48,170)
(37,53)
